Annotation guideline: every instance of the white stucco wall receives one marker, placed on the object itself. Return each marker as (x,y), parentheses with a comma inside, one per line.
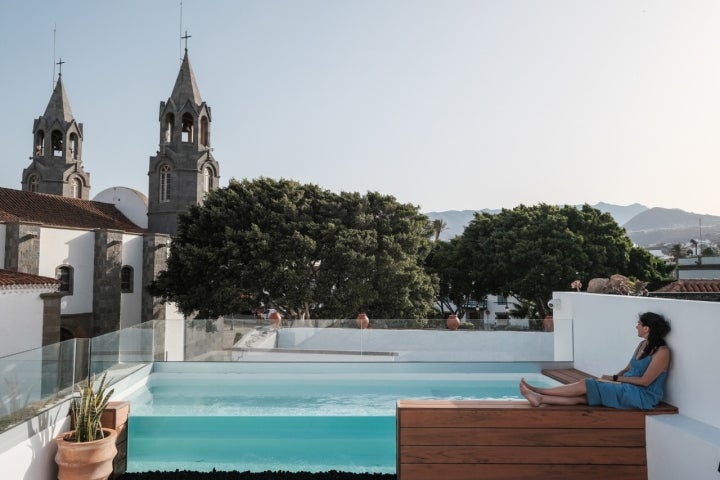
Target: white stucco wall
(28,450)
(426,345)
(604,338)
(130,303)
(77,249)
(21,320)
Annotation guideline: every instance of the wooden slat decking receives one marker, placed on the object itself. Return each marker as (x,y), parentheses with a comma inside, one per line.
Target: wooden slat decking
(503,440)
(566,375)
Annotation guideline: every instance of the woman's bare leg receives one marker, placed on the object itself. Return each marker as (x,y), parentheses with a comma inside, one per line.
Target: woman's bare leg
(536,399)
(576,389)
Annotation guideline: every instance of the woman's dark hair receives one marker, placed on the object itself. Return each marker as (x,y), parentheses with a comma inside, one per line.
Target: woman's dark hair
(659,327)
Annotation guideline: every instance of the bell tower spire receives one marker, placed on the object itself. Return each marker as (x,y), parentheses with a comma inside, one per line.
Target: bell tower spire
(56,161)
(183,171)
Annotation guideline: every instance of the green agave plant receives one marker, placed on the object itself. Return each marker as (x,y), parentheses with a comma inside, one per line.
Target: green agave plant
(88,408)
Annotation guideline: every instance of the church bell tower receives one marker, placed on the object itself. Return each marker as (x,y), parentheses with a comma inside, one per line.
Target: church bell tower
(56,161)
(183,171)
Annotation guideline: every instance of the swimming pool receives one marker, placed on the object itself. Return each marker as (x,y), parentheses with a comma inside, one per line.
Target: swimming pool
(291,422)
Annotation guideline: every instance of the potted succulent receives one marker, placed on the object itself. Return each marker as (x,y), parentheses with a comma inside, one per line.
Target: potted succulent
(88,451)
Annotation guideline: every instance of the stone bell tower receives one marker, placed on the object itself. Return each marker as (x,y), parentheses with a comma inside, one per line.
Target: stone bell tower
(183,171)
(56,166)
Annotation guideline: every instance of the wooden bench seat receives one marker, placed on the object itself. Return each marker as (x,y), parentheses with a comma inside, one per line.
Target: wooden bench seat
(503,440)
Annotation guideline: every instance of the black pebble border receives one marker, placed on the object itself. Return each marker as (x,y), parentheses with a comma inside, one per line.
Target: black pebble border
(214,475)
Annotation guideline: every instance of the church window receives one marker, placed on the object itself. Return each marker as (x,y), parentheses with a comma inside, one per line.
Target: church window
(207,179)
(64,273)
(57,143)
(126,279)
(204,132)
(39,143)
(74,146)
(33,183)
(188,128)
(165,183)
(76,188)
(169,124)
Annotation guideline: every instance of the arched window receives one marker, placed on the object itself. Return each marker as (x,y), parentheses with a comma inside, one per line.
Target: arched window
(169,125)
(74,145)
(64,273)
(188,128)
(33,183)
(204,132)
(57,143)
(76,188)
(207,179)
(126,279)
(165,183)
(39,143)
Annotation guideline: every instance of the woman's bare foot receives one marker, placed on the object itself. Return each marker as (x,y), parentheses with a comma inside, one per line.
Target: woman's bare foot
(534,398)
(524,383)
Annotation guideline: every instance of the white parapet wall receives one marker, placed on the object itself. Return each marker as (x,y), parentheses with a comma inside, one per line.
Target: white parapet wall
(425,345)
(604,337)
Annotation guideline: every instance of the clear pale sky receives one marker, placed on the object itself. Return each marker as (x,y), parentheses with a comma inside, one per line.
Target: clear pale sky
(445,104)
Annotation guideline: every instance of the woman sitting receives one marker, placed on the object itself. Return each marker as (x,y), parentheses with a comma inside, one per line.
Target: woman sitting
(639,385)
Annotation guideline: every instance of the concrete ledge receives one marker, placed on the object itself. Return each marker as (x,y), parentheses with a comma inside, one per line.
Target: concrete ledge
(670,437)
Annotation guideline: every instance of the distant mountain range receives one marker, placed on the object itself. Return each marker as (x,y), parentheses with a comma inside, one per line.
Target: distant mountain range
(647,227)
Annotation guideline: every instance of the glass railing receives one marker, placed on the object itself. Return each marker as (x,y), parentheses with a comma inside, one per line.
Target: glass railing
(427,340)
(33,380)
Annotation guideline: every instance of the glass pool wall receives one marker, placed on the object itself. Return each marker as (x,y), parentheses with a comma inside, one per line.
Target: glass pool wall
(294,417)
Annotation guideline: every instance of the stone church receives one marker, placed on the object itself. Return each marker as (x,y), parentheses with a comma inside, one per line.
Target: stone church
(76,267)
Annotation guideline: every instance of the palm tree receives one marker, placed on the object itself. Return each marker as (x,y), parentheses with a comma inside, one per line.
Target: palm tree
(676,252)
(438,226)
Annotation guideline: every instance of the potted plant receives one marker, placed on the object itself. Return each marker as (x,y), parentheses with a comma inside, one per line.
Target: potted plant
(88,451)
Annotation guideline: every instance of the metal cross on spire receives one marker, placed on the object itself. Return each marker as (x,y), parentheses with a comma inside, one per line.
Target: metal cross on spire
(60,64)
(185,37)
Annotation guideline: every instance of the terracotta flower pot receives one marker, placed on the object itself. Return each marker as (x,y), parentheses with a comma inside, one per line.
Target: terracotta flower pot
(362,321)
(453,323)
(85,460)
(548,324)
(275,319)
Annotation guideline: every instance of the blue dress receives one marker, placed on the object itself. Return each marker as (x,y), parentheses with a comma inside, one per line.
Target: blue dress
(625,395)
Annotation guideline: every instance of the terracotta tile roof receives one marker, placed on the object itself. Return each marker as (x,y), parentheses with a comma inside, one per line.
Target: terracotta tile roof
(57,211)
(700,285)
(16,279)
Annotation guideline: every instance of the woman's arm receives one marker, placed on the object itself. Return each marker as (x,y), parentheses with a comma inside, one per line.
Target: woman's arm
(619,374)
(659,363)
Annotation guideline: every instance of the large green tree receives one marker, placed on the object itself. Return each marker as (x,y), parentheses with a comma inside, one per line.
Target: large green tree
(456,287)
(530,251)
(306,251)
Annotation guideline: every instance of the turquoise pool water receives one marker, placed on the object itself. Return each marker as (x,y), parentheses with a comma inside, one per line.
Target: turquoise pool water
(284,422)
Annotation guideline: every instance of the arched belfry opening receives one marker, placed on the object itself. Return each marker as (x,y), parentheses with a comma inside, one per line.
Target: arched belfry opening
(58,143)
(39,143)
(168,128)
(204,132)
(74,146)
(188,128)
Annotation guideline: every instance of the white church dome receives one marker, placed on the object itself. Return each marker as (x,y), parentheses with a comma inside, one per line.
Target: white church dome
(133,204)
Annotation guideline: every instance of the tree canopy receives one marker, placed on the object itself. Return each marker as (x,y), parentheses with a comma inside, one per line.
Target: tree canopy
(529,252)
(302,249)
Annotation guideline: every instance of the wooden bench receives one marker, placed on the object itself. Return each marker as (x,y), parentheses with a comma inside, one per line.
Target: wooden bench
(504,440)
